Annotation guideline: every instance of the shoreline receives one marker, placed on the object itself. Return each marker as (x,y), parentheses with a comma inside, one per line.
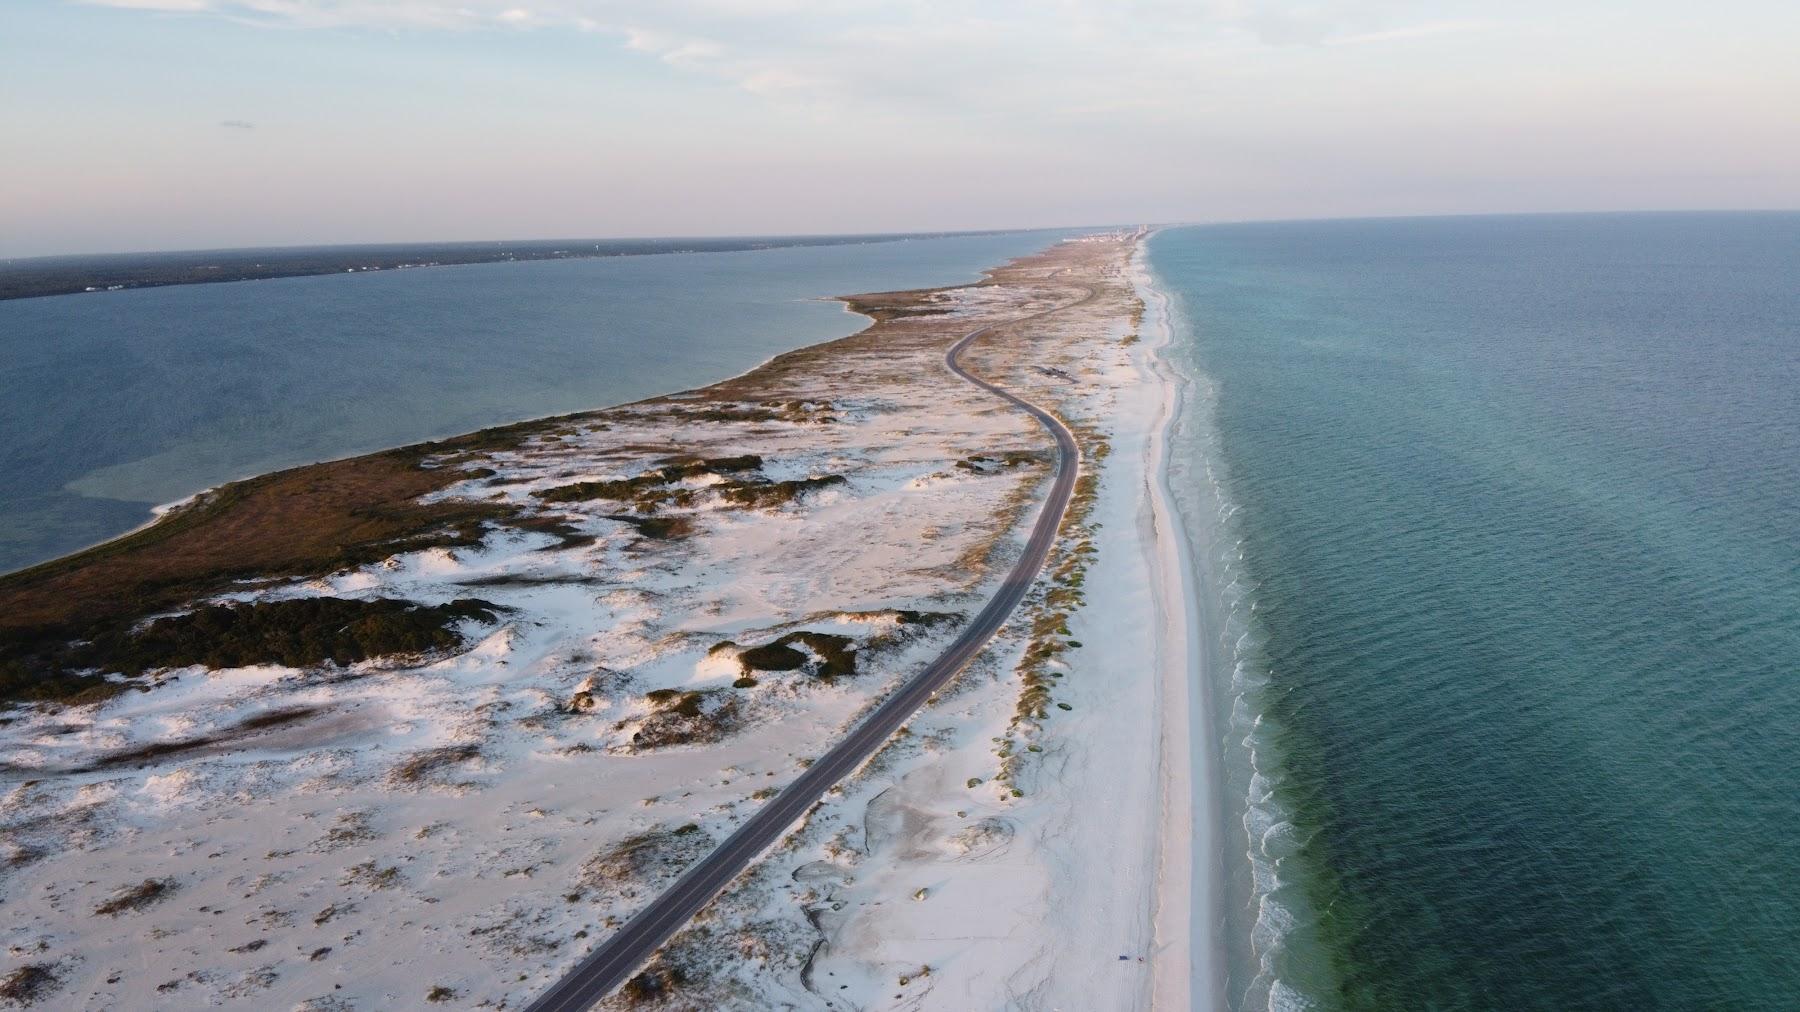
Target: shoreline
(783,294)
(864,305)
(49,276)
(1189,858)
(162,511)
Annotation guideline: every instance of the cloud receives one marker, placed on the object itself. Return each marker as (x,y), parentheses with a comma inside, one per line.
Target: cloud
(155,5)
(237,124)
(1063,60)
(1424,31)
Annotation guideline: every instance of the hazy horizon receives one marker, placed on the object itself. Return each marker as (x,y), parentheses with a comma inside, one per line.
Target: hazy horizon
(164,125)
(540,239)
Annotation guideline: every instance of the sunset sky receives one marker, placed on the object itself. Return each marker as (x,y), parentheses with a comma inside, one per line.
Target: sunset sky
(161,124)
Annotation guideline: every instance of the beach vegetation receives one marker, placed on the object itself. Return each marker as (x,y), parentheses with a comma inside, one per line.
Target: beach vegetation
(826,655)
(160,749)
(776,656)
(655,853)
(368,875)
(137,897)
(28,984)
(683,717)
(302,522)
(772,494)
(657,528)
(296,633)
(723,413)
(587,491)
(647,491)
(429,765)
(674,700)
(22,681)
(654,984)
(1051,608)
(567,535)
(693,467)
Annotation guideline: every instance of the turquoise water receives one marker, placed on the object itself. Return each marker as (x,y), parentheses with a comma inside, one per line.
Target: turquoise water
(1499,521)
(117,401)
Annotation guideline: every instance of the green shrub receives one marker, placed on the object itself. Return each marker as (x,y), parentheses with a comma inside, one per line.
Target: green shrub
(296,633)
(424,766)
(28,983)
(657,528)
(767,495)
(710,465)
(837,654)
(685,703)
(584,491)
(776,656)
(136,897)
(655,984)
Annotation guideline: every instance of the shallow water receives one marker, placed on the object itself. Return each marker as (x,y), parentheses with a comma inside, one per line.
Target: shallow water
(120,400)
(1501,521)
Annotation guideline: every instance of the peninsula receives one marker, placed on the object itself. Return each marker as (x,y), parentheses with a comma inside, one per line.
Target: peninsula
(434,724)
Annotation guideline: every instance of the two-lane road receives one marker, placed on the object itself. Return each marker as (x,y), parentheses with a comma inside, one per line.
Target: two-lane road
(609,965)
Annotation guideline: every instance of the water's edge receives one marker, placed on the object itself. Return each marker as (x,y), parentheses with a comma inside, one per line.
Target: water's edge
(1191,859)
(1253,912)
(158,511)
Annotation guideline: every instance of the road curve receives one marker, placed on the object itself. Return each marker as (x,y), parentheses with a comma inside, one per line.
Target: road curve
(609,965)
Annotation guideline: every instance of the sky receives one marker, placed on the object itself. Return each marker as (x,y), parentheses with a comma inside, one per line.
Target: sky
(180,124)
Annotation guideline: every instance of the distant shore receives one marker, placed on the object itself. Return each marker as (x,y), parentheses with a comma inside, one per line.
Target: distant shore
(36,277)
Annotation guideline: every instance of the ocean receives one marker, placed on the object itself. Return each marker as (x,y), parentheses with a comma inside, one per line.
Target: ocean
(117,401)
(1498,521)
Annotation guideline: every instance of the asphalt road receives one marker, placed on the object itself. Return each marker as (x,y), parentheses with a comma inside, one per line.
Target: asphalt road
(609,965)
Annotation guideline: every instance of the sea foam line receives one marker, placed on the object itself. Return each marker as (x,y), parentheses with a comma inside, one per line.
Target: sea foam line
(1240,767)
(1190,971)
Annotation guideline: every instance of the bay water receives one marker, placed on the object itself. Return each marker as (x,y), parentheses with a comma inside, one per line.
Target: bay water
(115,401)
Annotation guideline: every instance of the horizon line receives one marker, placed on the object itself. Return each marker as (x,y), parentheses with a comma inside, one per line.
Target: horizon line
(890,234)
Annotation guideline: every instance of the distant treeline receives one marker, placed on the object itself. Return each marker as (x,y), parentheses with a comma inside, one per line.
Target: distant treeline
(100,272)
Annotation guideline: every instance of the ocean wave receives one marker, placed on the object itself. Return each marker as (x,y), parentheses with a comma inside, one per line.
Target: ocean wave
(1271,911)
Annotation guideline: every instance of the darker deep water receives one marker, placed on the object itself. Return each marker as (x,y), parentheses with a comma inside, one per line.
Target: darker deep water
(1516,502)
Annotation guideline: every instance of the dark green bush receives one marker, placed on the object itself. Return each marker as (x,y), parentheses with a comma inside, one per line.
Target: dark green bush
(837,654)
(710,465)
(764,495)
(583,491)
(296,633)
(776,656)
